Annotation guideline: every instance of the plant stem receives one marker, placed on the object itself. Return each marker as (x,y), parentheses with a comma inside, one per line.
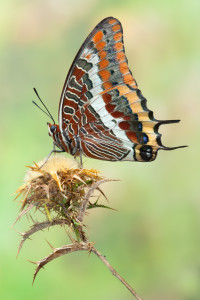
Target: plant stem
(114,272)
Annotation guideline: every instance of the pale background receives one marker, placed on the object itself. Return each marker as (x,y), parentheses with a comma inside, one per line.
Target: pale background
(153,239)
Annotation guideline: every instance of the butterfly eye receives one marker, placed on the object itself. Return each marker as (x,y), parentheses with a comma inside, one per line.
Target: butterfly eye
(52,128)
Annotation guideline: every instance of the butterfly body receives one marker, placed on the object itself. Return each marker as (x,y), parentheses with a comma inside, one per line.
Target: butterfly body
(102,112)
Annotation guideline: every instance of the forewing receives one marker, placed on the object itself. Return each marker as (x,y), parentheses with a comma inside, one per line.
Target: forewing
(76,84)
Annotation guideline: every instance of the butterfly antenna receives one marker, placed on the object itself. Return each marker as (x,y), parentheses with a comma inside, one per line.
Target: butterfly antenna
(41,108)
(49,114)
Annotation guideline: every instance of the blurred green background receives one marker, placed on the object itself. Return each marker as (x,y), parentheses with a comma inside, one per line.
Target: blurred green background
(153,239)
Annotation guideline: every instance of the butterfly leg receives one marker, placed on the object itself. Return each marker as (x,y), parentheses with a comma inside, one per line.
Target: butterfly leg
(54,147)
(81,160)
(52,151)
(80,152)
(77,149)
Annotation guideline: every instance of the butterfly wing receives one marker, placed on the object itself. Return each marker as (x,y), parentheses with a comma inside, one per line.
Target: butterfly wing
(102,105)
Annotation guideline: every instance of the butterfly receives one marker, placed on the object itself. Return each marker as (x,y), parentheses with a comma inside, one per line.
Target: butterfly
(102,112)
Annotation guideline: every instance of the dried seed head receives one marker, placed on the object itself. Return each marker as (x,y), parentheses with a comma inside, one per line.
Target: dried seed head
(59,189)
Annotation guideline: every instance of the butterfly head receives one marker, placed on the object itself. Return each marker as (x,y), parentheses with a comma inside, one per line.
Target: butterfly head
(52,129)
(54,132)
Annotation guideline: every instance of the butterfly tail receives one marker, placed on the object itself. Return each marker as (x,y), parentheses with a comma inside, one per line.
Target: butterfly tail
(162,147)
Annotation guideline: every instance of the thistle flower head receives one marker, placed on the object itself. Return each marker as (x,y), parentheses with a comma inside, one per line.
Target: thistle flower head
(59,188)
(61,191)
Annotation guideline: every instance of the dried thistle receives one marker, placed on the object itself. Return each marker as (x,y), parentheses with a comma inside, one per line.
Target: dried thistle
(60,191)
(63,193)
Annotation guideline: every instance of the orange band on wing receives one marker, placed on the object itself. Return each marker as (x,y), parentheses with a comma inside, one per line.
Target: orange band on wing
(105,75)
(116,27)
(117,36)
(112,21)
(98,37)
(102,54)
(100,45)
(103,64)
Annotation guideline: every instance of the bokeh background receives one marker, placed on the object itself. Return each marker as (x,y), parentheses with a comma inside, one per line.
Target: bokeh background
(153,240)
